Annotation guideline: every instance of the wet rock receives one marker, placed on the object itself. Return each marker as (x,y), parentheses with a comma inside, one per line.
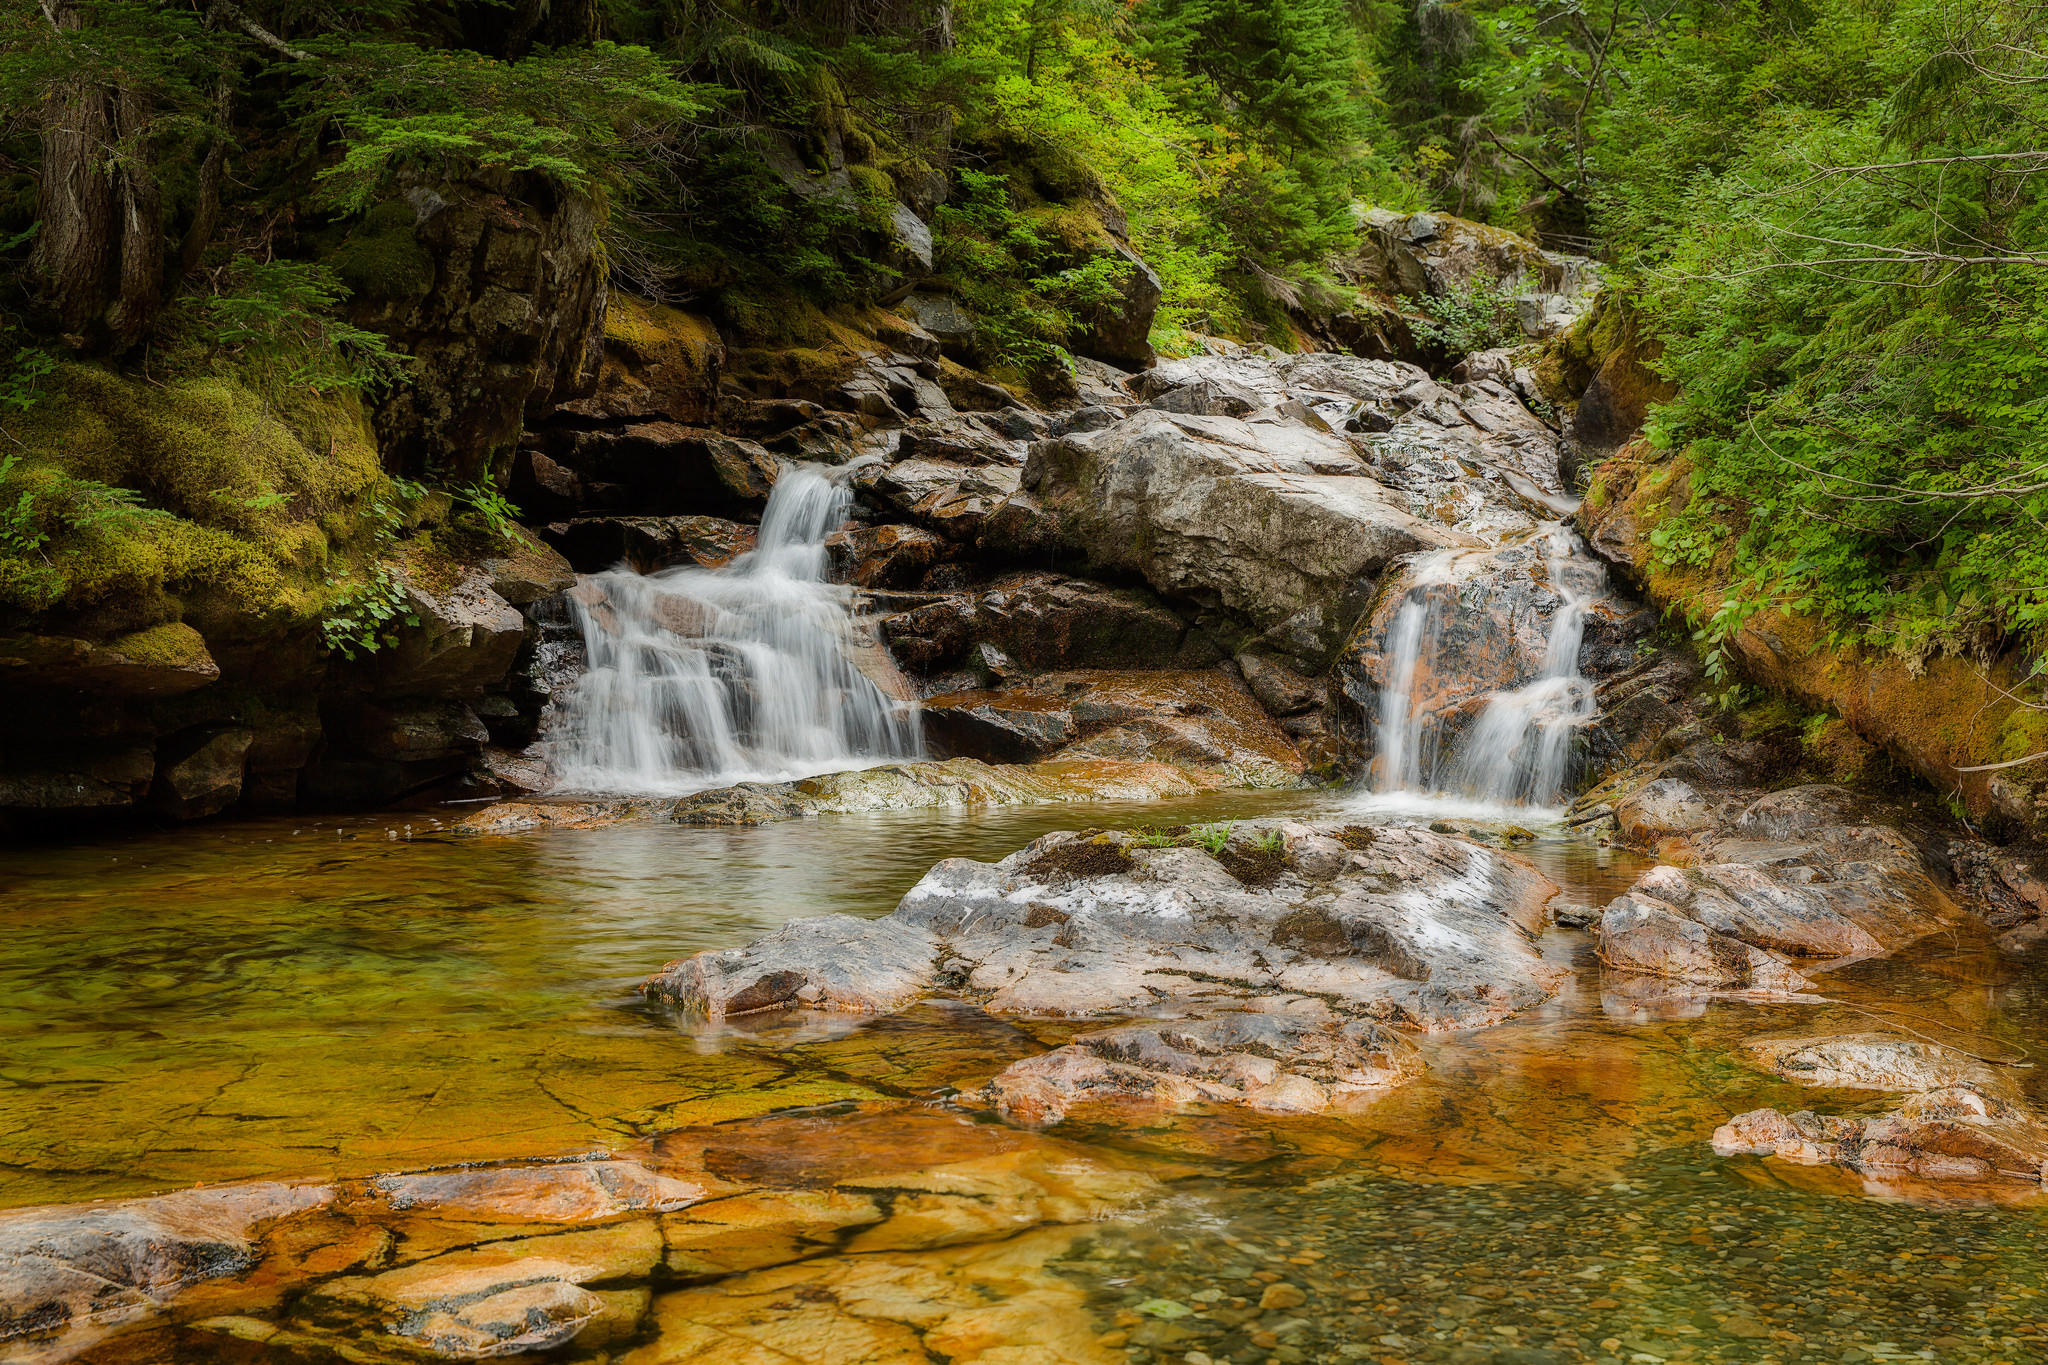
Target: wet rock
(1857,892)
(529,572)
(1003,727)
(1877,1061)
(465,641)
(2010,885)
(1660,809)
(953,500)
(1292,1056)
(950,784)
(200,775)
(834,962)
(161,661)
(1201,722)
(1414,927)
(1044,621)
(1639,933)
(88,778)
(413,730)
(1271,523)
(886,556)
(649,544)
(85,1267)
(1949,1134)
(665,468)
(519,817)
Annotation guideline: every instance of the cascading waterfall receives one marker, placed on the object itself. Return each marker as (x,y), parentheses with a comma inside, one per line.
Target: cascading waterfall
(1518,750)
(699,678)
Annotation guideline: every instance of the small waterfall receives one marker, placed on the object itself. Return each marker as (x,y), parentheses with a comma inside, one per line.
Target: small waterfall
(700,678)
(1518,750)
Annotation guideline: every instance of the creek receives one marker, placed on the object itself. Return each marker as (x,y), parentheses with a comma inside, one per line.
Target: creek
(286,999)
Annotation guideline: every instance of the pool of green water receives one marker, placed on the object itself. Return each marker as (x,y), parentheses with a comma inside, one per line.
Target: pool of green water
(300,999)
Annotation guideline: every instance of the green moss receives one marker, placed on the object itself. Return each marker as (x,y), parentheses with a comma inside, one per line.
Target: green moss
(382,259)
(2023,733)
(171,645)
(142,491)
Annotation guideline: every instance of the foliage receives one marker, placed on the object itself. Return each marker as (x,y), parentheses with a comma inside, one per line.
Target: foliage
(279,323)
(1479,317)
(1834,233)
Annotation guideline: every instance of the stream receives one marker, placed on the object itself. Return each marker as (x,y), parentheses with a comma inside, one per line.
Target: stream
(290,999)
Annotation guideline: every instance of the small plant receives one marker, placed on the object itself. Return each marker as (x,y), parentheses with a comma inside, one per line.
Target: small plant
(20,535)
(1211,839)
(497,512)
(21,383)
(365,616)
(282,321)
(1481,317)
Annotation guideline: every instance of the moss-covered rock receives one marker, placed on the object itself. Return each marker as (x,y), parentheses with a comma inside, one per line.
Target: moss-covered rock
(133,498)
(1938,718)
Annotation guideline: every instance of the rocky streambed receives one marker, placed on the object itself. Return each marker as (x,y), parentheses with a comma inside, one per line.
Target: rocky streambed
(1287,1086)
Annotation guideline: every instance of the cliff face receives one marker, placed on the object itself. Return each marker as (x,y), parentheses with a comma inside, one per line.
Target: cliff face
(1936,717)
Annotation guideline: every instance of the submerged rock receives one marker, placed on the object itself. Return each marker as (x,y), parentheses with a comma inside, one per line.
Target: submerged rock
(1954,1133)
(1877,1061)
(1292,1056)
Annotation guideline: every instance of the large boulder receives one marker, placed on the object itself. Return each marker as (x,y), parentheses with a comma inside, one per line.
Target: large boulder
(1877,1061)
(463,637)
(494,287)
(1279,525)
(1641,934)
(1391,925)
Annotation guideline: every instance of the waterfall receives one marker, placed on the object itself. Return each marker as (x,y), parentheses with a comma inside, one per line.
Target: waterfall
(1518,751)
(699,678)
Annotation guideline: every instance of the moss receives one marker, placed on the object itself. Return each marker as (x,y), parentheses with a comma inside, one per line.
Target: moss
(2023,733)
(1596,492)
(381,259)
(147,491)
(171,645)
(1083,858)
(1075,227)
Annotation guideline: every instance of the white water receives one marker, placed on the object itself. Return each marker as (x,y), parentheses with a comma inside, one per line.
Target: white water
(1518,752)
(699,678)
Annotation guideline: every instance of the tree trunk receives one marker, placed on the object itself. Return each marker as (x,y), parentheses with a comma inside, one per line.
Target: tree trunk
(99,252)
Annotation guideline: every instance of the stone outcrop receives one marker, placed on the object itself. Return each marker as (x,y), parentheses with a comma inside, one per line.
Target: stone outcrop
(1951,1134)
(494,288)
(1440,254)
(1935,717)
(1199,722)
(1325,928)
(1746,908)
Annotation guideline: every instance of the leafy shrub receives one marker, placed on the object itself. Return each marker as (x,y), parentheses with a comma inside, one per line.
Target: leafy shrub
(1479,317)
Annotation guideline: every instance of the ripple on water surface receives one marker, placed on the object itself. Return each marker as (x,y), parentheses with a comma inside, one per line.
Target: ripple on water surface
(245,1000)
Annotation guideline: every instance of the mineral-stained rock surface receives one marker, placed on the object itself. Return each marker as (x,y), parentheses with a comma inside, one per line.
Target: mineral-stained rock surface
(1877,1061)
(1267,954)
(1953,1133)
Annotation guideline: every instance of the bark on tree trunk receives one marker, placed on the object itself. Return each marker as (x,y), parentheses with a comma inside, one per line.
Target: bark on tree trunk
(99,252)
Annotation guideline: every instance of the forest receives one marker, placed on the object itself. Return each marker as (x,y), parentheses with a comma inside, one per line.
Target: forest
(1822,220)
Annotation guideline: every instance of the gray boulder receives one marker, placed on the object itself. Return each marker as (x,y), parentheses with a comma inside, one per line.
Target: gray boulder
(1395,925)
